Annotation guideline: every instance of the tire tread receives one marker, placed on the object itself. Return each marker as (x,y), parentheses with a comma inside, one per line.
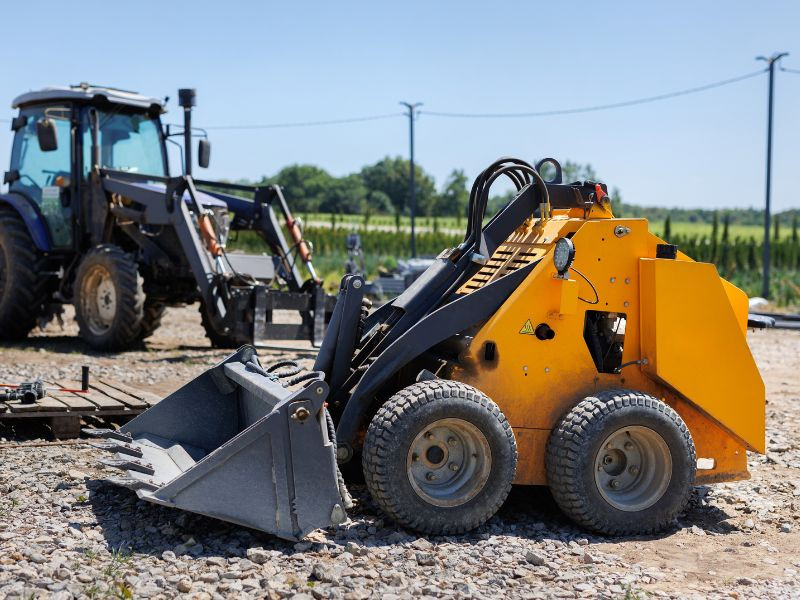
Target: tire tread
(570,440)
(376,454)
(19,311)
(128,326)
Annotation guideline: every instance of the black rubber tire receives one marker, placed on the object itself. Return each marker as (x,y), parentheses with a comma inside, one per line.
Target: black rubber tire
(572,450)
(389,437)
(126,327)
(152,313)
(218,338)
(22,290)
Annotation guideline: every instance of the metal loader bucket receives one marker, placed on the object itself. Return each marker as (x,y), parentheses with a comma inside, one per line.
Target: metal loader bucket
(235,444)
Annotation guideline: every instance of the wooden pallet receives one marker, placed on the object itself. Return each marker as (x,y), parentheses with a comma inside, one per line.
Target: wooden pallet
(64,410)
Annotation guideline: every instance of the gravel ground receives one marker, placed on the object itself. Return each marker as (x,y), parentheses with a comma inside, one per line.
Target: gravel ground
(65,533)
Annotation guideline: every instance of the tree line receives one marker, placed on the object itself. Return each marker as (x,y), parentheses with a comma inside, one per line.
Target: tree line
(382,188)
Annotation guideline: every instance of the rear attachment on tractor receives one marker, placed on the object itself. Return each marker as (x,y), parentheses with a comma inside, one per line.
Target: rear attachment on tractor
(236,443)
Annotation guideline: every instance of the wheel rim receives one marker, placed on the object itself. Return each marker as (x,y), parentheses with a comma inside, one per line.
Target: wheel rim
(449,462)
(98,299)
(633,468)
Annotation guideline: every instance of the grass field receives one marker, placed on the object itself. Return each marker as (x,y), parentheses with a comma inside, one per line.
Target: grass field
(451,225)
(739,260)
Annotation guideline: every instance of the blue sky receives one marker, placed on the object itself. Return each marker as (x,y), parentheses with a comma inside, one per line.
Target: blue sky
(265,62)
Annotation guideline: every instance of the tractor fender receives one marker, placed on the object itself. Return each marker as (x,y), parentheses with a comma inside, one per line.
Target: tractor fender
(31,216)
(441,324)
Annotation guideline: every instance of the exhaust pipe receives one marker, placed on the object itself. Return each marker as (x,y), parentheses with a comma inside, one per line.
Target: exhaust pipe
(187,99)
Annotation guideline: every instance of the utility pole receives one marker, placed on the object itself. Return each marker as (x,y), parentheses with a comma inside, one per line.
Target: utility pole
(412,112)
(771,61)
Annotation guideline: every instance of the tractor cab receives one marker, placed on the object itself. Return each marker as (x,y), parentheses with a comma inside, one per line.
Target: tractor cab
(91,205)
(60,133)
(55,134)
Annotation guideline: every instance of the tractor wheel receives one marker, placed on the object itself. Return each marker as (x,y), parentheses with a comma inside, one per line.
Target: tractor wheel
(219,338)
(22,289)
(621,463)
(108,298)
(151,317)
(439,457)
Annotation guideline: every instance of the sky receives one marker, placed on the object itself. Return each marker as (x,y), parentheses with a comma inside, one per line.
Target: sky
(277,62)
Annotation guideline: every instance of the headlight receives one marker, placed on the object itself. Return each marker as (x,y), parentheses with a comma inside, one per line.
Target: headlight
(563,255)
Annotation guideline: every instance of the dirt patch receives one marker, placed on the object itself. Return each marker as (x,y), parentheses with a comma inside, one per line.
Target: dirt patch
(64,533)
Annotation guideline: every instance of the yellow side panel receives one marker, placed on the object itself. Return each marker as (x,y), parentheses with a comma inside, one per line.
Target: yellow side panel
(739,303)
(693,341)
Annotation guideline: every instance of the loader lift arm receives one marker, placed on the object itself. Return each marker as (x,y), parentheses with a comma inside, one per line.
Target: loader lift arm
(175,205)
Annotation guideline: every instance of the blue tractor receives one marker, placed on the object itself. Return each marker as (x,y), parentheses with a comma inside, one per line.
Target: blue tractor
(94,218)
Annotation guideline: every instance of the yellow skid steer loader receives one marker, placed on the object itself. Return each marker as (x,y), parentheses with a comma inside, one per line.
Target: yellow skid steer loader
(557,345)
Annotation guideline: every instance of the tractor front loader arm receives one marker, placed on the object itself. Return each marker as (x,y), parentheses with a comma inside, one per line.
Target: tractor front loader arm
(148,206)
(237,289)
(257,214)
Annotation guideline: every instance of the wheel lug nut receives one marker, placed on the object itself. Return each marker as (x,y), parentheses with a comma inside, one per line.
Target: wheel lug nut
(453,467)
(428,435)
(451,441)
(614,483)
(415,457)
(607,459)
(430,476)
(633,469)
(628,445)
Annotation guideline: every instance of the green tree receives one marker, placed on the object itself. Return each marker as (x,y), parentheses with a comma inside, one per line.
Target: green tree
(616,202)
(667,229)
(572,171)
(306,187)
(714,236)
(379,202)
(390,176)
(453,200)
(346,194)
(715,228)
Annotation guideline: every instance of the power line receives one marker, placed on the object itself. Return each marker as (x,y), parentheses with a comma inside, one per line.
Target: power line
(547,113)
(568,111)
(795,71)
(308,123)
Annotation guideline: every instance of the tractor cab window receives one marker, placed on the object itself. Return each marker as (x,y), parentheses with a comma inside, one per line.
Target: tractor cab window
(43,177)
(128,142)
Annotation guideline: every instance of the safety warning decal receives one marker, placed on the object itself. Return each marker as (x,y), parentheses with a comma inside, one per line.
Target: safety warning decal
(527,329)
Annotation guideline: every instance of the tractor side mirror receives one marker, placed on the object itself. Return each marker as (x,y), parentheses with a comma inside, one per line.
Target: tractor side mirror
(203,152)
(46,134)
